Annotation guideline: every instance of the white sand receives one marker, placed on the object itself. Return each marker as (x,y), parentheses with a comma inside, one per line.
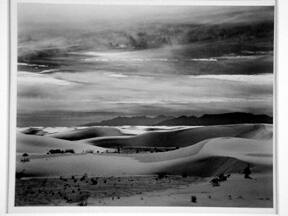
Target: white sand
(185,137)
(85,133)
(206,158)
(42,144)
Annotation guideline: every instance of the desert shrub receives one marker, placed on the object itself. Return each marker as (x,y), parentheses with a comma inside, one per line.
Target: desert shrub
(19,175)
(184,175)
(69,151)
(55,151)
(89,151)
(23,160)
(193,199)
(161,175)
(25,154)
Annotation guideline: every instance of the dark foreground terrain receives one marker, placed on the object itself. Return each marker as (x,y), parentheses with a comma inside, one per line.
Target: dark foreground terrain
(145,191)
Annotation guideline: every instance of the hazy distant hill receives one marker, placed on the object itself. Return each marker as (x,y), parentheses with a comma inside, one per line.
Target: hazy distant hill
(218,119)
(135,120)
(213,119)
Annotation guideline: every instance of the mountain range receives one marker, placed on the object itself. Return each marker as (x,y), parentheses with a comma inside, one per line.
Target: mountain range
(135,120)
(207,119)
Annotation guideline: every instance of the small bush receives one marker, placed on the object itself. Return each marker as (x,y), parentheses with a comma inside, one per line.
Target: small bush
(193,199)
(184,175)
(25,154)
(69,151)
(161,175)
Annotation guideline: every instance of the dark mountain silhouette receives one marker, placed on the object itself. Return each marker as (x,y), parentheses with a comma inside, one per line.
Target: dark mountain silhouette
(218,119)
(208,119)
(135,120)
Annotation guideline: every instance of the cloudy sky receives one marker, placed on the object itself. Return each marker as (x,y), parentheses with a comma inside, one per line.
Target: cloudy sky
(110,83)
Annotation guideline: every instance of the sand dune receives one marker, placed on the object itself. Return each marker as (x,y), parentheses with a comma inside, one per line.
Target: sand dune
(207,158)
(259,132)
(226,146)
(85,133)
(42,144)
(216,156)
(184,137)
(33,131)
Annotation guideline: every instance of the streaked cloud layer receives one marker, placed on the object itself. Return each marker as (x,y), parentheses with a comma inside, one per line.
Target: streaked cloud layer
(138,95)
(80,63)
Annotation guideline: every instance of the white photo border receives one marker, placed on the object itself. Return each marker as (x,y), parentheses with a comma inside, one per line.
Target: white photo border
(13,103)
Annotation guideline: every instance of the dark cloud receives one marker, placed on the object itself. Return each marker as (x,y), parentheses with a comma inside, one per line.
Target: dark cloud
(175,61)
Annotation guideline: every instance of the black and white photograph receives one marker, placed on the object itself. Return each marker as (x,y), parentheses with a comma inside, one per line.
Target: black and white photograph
(144,105)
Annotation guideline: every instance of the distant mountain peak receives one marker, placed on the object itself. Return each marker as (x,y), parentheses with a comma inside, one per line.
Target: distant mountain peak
(131,120)
(206,119)
(218,119)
